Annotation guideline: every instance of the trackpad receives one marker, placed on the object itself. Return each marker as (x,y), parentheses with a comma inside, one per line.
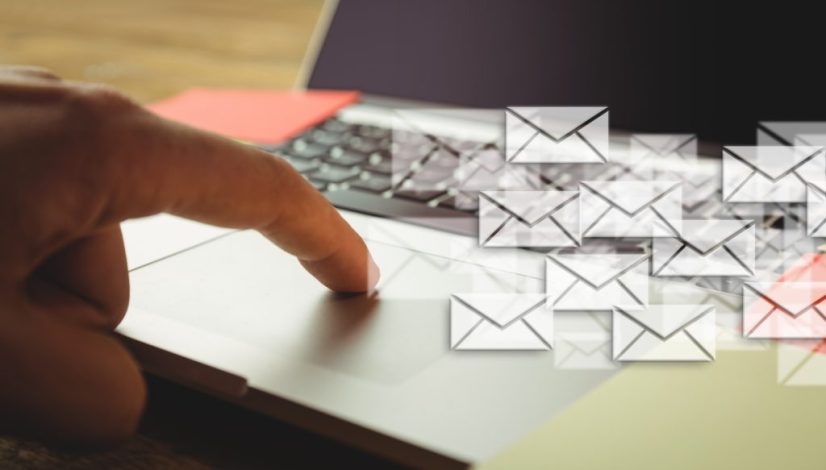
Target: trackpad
(242,287)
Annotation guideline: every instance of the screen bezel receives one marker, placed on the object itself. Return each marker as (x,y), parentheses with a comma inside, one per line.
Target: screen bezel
(317,38)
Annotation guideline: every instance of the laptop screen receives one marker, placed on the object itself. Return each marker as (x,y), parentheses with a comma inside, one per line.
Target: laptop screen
(699,67)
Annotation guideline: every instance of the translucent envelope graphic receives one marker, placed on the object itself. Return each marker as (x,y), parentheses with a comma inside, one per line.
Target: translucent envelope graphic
(500,322)
(486,169)
(665,333)
(730,334)
(786,132)
(647,150)
(815,212)
(556,134)
(700,189)
(584,351)
(663,146)
(728,310)
(619,209)
(777,249)
(801,363)
(583,341)
(771,173)
(529,218)
(706,248)
(784,309)
(596,281)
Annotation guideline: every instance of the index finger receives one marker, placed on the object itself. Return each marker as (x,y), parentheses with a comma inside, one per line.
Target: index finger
(161,166)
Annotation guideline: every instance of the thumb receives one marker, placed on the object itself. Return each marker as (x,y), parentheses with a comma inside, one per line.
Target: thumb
(66,382)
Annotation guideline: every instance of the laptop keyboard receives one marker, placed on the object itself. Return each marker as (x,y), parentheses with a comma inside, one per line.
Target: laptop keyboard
(337,156)
(351,163)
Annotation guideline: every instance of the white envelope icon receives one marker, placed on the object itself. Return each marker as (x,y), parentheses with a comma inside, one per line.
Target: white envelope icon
(784,309)
(556,134)
(815,212)
(700,188)
(529,218)
(706,248)
(646,150)
(730,334)
(801,363)
(500,322)
(486,169)
(772,173)
(786,132)
(584,351)
(579,281)
(769,248)
(777,249)
(619,209)
(665,333)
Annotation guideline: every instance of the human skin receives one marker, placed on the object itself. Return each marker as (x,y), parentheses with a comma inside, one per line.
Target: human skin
(75,160)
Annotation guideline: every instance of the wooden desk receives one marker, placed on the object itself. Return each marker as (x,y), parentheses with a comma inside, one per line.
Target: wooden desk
(155,48)
(152,49)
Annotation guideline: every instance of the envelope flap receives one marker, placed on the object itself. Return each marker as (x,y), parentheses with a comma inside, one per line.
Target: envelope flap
(587,345)
(769,236)
(793,298)
(663,144)
(631,196)
(557,122)
(815,192)
(666,320)
(597,270)
(706,236)
(816,140)
(502,309)
(530,206)
(773,161)
(785,132)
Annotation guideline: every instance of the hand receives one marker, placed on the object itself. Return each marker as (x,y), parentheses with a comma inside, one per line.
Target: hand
(77,159)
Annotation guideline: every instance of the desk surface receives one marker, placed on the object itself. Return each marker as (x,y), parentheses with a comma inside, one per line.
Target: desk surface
(155,48)
(152,49)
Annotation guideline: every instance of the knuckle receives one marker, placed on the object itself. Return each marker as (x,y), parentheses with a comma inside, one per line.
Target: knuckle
(96,106)
(94,122)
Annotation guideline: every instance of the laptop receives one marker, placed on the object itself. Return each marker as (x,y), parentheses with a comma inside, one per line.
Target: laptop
(226,313)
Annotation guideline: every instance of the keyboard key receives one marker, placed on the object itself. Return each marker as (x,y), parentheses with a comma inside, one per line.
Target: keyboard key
(431,176)
(373,183)
(335,174)
(302,165)
(372,132)
(468,203)
(303,149)
(343,157)
(363,145)
(418,195)
(318,184)
(443,160)
(377,164)
(335,125)
(327,138)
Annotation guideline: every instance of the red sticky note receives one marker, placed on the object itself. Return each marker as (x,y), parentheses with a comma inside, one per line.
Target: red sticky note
(263,116)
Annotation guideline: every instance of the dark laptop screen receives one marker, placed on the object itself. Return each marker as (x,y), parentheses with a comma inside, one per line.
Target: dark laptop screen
(661,66)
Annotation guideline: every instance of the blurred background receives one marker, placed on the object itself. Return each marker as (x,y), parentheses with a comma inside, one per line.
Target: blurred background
(152,49)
